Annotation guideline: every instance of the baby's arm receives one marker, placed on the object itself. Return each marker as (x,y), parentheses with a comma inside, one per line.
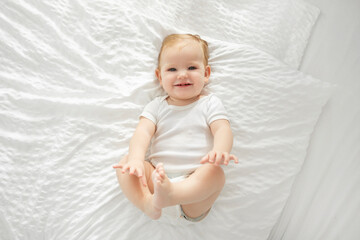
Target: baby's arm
(223,140)
(139,144)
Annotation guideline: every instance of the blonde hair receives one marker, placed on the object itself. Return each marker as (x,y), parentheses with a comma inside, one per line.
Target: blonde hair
(170,40)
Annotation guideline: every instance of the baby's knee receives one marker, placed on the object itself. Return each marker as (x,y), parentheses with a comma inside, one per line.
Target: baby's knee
(216,171)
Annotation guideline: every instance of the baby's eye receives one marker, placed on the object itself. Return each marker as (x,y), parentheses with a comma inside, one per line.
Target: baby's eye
(192,68)
(172,69)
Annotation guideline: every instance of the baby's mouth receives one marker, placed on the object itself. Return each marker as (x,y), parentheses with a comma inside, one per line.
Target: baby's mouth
(183,84)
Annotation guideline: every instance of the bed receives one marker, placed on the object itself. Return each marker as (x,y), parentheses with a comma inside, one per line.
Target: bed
(75,76)
(325,199)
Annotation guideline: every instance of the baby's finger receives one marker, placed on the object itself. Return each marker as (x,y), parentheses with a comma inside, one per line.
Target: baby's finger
(212,157)
(117,166)
(234,158)
(143,180)
(132,171)
(142,177)
(226,158)
(125,168)
(219,158)
(205,159)
(138,172)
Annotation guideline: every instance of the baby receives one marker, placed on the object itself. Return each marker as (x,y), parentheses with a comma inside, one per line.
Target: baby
(190,133)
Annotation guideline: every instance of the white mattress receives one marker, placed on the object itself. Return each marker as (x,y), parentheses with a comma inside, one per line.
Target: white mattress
(74,77)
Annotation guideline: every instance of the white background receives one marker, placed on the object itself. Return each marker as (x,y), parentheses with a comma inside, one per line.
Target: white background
(325,200)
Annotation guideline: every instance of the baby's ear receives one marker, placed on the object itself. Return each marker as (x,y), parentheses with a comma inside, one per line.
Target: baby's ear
(207,73)
(158,75)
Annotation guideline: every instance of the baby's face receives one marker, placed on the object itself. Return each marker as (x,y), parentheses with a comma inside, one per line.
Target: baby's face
(182,72)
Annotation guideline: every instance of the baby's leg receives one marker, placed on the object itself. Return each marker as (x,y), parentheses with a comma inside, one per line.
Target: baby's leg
(139,195)
(196,194)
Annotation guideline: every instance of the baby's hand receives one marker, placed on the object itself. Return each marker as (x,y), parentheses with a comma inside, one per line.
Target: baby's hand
(133,167)
(219,158)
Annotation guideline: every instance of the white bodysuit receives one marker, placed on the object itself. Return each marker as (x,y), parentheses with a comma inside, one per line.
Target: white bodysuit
(183,134)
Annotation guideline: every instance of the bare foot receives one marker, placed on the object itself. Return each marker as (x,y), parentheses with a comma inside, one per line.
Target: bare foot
(152,211)
(162,187)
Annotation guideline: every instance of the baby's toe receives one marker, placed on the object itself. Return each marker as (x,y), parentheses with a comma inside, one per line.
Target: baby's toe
(159,166)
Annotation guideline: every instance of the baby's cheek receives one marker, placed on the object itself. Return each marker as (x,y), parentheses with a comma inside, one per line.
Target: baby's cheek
(197,74)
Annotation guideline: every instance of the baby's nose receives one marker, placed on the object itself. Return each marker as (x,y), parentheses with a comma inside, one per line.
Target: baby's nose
(182,74)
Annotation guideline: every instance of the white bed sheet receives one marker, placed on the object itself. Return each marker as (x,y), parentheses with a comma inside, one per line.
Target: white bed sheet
(70,96)
(325,200)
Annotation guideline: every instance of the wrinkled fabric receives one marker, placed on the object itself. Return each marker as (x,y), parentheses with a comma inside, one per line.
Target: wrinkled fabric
(74,77)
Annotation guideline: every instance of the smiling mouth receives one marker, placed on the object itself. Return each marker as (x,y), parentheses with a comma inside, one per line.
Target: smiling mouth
(183,84)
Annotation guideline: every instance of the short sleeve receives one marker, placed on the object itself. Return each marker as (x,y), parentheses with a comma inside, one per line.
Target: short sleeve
(216,110)
(151,109)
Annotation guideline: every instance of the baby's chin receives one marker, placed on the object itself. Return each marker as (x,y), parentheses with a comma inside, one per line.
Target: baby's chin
(182,101)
